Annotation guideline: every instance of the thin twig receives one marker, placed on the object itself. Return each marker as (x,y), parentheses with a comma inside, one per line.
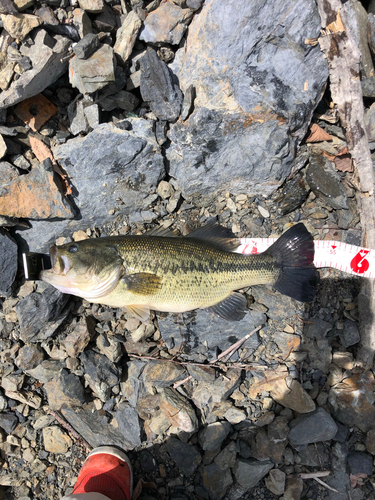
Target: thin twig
(325,484)
(70,429)
(182,382)
(234,365)
(233,348)
(313,475)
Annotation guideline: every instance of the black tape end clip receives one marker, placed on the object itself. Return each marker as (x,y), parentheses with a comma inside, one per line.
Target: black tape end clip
(34,263)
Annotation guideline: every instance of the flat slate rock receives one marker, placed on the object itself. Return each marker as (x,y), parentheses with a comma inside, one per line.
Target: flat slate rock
(203,332)
(256,82)
(122,172)
(40,314)
(216,481)
(212,436)
(90,426)
(8,263)
(249,472)
(100,373)
(49,62)
(312,428)
(65,390)
(325,182)
(8,421)
(166,24)
(159,87)
(129,426)
(184,455)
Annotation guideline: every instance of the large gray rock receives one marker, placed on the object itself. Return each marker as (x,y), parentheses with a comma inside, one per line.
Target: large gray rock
(48,57)
(120,172)
(257,84)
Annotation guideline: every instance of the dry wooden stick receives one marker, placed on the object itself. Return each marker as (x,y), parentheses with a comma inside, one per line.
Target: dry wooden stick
(338,42)
(313,475)
(182,382)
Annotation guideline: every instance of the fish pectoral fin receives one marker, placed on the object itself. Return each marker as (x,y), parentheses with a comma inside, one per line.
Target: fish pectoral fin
(233,308)
(140,312)
(142,283)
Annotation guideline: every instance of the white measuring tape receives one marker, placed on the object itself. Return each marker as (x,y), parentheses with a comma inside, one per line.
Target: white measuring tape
(348,258)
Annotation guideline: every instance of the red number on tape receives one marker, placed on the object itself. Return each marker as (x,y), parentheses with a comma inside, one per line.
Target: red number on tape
(359,264)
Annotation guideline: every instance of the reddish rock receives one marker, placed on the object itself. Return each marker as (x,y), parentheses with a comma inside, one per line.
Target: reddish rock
(34,196)
(35,111)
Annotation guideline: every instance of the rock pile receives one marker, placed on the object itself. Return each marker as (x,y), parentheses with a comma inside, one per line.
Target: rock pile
(120,116)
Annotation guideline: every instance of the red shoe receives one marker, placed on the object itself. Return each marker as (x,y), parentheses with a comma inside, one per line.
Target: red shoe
(107,470)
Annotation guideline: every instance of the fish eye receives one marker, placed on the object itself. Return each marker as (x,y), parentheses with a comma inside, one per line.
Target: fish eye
(72,248)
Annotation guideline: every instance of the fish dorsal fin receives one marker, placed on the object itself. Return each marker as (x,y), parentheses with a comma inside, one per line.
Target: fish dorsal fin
(233,308)
(161,231)
(140,312)
(142,283)
(218,235)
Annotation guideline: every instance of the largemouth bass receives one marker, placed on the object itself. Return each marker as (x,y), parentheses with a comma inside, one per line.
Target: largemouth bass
(179,274)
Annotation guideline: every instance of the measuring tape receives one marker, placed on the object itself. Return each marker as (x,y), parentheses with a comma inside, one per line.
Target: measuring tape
(348,258)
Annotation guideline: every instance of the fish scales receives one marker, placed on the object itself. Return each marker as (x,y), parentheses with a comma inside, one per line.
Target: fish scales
(195,273)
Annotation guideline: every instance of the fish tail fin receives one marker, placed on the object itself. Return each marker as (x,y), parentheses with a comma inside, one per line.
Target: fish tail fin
(294,253)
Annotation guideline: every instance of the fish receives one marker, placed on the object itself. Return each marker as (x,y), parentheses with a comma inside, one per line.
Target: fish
(161,272)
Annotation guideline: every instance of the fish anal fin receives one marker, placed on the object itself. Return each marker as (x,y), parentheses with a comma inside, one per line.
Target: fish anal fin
(140,312)
(232,308)
(218,235)
(142,283)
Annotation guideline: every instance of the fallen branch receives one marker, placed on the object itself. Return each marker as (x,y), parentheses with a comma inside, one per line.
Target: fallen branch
(340,48)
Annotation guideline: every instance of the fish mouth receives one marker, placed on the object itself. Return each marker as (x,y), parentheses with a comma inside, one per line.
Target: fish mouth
(60,263)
